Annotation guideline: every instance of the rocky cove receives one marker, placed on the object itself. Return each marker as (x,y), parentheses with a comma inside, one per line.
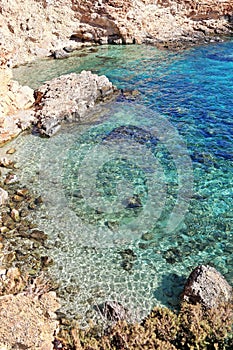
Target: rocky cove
(48,113)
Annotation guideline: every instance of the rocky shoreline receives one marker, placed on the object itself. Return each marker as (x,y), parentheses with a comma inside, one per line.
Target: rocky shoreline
(35,29)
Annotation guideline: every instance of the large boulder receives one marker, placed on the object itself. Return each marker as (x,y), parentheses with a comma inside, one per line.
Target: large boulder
(208,287)
(70,98)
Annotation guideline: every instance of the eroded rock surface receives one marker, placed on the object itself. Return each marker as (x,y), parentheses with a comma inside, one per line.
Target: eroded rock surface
(27,321)
(15,103)
(207,286)
(70,98)
(35,28)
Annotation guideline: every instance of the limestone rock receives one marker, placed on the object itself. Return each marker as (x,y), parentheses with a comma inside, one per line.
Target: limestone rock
(37,27)
(207,286)
(15,101)
(70,98)
(32,319)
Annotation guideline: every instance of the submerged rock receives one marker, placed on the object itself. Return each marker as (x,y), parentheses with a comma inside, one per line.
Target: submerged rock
(113,311)
(208,287)
(70,98)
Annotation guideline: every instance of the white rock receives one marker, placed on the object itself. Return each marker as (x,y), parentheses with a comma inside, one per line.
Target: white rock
(3,196)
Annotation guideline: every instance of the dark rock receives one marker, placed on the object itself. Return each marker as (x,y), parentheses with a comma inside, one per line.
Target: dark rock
(208,287)
(127,265)
(113,311)
(46,261)
(38,200)
(173,255)
(128,254)
(68,49)
(133,202)
(131,132)
(147,236)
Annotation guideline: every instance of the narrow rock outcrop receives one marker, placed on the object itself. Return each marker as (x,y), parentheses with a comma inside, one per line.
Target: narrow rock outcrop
(15,103)
(208,287)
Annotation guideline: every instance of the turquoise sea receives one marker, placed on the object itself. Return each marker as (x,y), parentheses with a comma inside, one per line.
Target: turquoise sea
(139,197)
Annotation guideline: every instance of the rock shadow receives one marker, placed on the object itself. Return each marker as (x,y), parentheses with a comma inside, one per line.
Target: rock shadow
(170,289)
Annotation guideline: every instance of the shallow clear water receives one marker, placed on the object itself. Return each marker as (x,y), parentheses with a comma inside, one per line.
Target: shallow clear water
(153,175)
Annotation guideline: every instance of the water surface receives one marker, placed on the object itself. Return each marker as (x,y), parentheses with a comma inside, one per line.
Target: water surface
(170,150)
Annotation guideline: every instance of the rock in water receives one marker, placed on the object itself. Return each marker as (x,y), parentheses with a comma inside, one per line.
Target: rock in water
(113,311)
(208,287)
(60,54)
(70,98)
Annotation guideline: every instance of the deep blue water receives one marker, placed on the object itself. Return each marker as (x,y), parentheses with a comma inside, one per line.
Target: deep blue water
(185,106)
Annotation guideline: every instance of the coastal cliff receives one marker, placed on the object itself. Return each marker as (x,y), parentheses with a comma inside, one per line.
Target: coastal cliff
(33,28)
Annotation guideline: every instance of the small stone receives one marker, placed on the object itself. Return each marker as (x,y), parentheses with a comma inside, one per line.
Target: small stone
(18,198)
(3,196)
(38,200)
(32,206)
(22,192)
(15,215)
(147,236)
(2,271)
(39,235)
(10,179)
(6,163)
(127,265)
(4,229)
(9,258)
(46,261)
(133,202)
(11,151)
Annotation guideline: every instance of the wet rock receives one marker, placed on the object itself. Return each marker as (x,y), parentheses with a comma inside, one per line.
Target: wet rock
(127,265)
(22,192)
(10,179)
(113,311)
(147,236)
(18,198)
(11,151)
(131,132)
(173,255)
(38,200)
(3,196)
(128,257)
(46,261)
(6,163)
(39,235)
(133,202)
(15,215)
(128,254)
(70,98)
(207,286)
